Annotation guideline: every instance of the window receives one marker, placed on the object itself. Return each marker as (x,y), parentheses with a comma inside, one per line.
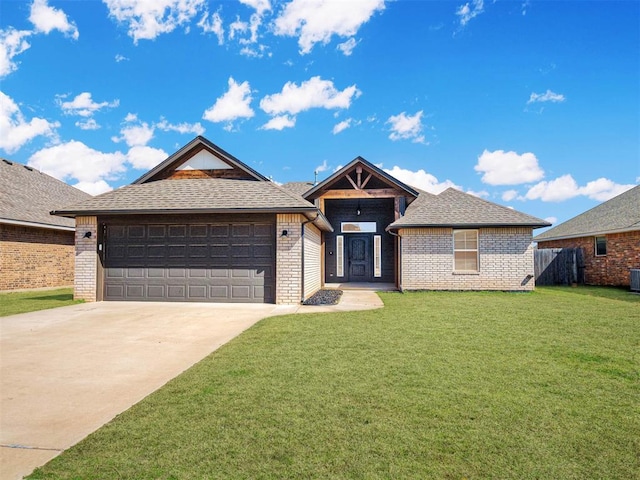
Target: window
(601,246)
(358,227)
(340,256)
(377,256)
(465,250)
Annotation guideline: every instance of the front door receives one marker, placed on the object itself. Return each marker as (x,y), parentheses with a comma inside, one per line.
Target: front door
(359,258)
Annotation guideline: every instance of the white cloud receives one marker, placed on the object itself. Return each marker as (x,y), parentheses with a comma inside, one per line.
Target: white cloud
(551,220)
(469,11)
(135,135)
(12,42)
(120,58)
(131,117)
(213,25)
(347,47)
(15,130)
(183,128)
(145,158)
(547,96)
(509,195)
(84,106)
(313,93)
(234,104)
(480,194)
(46,19)
(237,26)
(279,122)
(322,168)
(562,188)
(89,124)
(146,20)
(406,127)
(421,179)
(508,168)
(75,160)
(343,125)
(261,6)
(94,188)
(603,189)
(316,21)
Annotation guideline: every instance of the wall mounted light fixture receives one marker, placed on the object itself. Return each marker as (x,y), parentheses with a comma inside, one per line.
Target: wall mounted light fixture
(358,211)
(284,233)
(87,235)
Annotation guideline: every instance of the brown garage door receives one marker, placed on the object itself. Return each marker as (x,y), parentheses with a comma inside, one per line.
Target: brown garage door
(204,262)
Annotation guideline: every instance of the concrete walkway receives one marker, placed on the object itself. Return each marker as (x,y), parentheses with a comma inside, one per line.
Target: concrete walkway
(66,372)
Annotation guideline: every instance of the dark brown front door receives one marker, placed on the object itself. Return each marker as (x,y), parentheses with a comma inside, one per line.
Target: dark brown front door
(359,258)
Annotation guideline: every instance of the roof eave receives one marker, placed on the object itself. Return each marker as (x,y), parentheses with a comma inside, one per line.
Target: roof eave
(588,234)
(191,211)
(47,226)
(466,225)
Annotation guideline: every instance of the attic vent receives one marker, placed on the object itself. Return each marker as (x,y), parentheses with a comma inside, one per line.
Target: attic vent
(7,161)
(28,168)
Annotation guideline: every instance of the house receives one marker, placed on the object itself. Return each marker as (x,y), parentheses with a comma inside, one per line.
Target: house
(609,236)
(36,248)
(203,226)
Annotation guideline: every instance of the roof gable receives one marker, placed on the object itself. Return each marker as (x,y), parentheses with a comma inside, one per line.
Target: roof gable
(201,158)
(619,214)
(359,176)
(453,208)
(28,196)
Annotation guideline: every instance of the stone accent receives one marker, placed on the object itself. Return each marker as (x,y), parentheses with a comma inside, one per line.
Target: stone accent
(289,259)
(623,254)
(506,260)
(32,257)
(85,286)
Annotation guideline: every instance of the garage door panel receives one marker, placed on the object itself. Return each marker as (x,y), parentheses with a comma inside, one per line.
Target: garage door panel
(232,262)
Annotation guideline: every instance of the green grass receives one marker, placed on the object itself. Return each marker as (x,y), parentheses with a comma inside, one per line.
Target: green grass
(613,293)
(32,301)
(435,385)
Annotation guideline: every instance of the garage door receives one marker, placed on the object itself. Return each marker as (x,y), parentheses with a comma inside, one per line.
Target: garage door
(212,262)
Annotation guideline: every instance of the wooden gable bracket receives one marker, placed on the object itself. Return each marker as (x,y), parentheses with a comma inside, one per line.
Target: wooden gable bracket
(358,184)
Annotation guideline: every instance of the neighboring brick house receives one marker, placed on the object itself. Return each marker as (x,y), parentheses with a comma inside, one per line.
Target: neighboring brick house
(608,234)
(203,226)
(36,248)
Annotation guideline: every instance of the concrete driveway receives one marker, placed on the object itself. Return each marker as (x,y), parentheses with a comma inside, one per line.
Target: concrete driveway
(66,372)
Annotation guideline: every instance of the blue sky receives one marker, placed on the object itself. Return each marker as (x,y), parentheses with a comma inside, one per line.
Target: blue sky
(531,104)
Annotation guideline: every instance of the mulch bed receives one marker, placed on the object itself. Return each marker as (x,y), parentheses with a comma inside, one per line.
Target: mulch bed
(324,297)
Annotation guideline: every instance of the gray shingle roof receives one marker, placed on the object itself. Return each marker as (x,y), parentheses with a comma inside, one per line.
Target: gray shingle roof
(453,208)
(192,195)
(28,195)
(621,213)
(298,188)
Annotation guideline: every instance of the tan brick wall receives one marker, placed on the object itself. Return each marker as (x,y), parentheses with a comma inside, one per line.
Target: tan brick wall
(623,254)
(35,257)
(312,259)
(289,259)
(86,259)
(506,260)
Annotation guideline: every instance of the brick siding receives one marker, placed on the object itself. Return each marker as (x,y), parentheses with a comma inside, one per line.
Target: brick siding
(612,269)
(506,260)
(86,259)
(35,257)
(289,259)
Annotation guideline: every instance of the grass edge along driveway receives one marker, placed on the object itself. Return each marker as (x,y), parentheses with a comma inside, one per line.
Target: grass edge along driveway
(12,303)
(435,385)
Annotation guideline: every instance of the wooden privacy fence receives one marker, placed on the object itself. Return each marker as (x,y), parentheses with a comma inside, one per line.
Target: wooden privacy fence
(559,266)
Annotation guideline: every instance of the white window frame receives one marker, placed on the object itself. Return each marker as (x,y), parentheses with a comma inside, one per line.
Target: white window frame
(476,250)
(595,246)
(377,256)
(339,256)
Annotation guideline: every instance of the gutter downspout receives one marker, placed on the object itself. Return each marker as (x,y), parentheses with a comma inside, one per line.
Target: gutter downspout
(302,254)
(399,258)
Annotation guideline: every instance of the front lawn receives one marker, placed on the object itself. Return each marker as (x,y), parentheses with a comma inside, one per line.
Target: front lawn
(31,301)
(435,385)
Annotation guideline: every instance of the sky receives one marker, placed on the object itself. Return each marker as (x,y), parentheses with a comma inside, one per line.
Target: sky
(534,105)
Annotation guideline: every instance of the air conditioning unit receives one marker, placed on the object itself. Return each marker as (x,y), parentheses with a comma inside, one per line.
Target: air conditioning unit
(635,279)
